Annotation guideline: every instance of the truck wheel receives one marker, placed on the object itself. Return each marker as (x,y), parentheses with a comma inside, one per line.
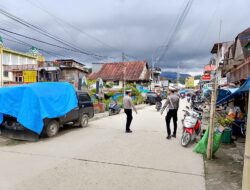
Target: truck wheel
(52,128)
(84,120)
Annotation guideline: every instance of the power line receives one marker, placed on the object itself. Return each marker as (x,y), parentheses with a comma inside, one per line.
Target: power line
(177,27)
(47,34)
(56,18)
(11,40)
(15,40)
(37,40)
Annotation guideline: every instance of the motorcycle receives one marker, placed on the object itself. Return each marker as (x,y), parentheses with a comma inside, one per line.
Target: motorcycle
(158,106)
(197,103)
(114,108)
(191,126)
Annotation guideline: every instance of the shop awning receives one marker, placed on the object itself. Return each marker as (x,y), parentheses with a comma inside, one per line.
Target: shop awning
(244,88)
(225,92)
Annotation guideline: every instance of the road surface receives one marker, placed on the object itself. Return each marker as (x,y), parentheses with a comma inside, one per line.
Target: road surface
(102,157)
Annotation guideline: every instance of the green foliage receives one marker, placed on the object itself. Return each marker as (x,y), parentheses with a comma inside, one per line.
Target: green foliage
(109,84)
(109,95)
(107,102)
(120,100)
(132,86)
(90,83)
(139,99)
(92,93)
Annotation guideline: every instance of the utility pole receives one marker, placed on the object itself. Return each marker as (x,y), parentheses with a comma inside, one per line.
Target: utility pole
(152,73)
(246,168)
(213,105)
(178,75)
(124,80)
(123,57)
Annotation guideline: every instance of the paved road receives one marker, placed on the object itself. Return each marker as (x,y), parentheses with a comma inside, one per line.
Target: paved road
(102,156)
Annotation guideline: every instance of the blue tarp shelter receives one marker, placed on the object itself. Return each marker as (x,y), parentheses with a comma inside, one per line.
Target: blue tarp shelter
(142,89)
(244,88)
(183,91)
(32,103)
(222,93)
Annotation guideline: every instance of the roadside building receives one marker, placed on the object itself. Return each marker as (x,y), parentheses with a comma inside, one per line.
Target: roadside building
(237,65)
(18,67)
(134,71)
(219,51)
(155,74)
(49,71)
(236,69)
(71,71)
(155,79)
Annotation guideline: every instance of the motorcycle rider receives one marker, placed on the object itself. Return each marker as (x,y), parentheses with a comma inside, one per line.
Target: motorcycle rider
(173,104)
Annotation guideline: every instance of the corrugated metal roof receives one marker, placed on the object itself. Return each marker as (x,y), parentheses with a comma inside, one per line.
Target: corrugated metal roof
(133,71)
(244,38)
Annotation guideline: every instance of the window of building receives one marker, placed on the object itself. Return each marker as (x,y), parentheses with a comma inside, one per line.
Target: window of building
(19,79)
(6,74)
(116,83)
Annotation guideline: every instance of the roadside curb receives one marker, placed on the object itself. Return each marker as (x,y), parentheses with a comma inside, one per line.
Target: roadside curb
(106,114)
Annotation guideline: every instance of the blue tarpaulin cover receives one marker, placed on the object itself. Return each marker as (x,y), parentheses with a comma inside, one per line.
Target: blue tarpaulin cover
(31,103)
(142,89)
(222,93)
(244,88)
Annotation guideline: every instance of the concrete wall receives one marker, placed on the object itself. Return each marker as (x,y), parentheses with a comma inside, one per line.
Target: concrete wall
(71,75)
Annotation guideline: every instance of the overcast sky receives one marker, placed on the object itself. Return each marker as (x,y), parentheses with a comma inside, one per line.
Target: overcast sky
(137,27)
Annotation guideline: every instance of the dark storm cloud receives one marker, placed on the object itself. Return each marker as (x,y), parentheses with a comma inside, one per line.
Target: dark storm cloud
(137,27)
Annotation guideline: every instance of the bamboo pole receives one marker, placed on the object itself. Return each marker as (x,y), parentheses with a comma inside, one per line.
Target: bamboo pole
(213,103)
(212,117)
(246,169)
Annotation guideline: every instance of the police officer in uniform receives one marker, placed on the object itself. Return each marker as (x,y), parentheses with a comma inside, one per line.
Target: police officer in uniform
(172,103)
(128,106)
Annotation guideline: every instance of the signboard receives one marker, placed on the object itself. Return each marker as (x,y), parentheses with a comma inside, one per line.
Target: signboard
(206,77)
(12,68)
(223,81)
(189,82)
(165,83)
(29,76)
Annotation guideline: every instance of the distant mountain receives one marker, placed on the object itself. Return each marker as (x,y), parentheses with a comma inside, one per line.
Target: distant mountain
(173,75)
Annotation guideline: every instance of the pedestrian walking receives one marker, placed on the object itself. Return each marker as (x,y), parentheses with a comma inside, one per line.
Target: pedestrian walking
(172,105)
(128,106)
